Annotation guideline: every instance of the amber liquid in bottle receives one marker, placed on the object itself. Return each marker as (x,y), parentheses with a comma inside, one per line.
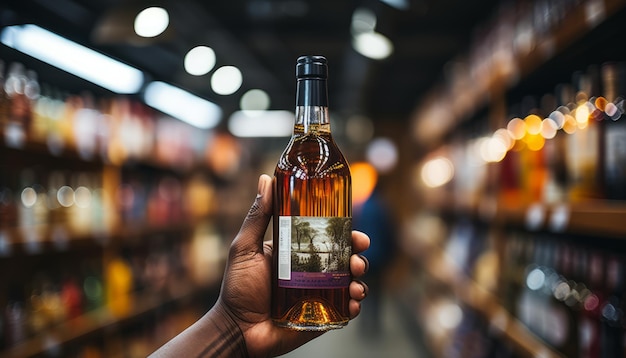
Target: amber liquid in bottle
(312,200)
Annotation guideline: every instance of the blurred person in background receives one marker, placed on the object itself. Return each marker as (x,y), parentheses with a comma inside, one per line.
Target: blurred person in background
(372,216)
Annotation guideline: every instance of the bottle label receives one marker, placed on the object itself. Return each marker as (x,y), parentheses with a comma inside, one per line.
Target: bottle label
(314,252)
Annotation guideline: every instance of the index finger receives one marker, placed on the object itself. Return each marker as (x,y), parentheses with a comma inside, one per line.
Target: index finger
(360,241)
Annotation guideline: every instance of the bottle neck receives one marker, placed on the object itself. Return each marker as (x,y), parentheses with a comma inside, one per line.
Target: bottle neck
(311,106)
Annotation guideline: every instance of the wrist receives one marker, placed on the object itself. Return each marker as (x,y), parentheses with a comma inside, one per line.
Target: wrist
(231,342)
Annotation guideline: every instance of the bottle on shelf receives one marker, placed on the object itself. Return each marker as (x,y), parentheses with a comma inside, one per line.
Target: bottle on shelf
(4,100)
(14,315)
(589,321)
(554,148)
(612,316)
(312,214)
(584,144)
(119,285)
(19,113)
(614,79)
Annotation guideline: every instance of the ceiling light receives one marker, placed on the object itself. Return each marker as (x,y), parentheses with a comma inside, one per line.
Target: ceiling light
(73,58)
(226,80)
(182,105)
(261,123)
(199,60)
(255,99)
(151,22)
(373,45)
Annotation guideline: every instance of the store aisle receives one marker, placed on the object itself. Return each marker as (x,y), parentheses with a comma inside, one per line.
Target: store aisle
(398,338)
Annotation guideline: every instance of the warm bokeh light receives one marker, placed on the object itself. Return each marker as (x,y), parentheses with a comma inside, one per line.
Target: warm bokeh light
(570,125)
(516,128)
(364,179)
(548,128)
(504,136)
(534,142)
(437,172)
(492,149)
(533,124)
(601,103)
(582,114)
(223,155)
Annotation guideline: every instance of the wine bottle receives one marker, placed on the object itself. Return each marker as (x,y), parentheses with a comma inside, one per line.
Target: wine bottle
(614,76)
(312,214)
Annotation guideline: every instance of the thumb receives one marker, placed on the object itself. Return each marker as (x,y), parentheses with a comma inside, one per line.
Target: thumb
(250,236)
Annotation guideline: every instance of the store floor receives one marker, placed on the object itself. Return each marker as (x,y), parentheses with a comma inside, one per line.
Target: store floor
(398,337)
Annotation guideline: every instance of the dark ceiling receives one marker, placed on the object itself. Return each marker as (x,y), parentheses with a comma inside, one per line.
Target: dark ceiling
(264,38)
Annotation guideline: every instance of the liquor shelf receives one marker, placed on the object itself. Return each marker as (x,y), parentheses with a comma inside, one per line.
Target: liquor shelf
(98,320)
(435,264)
(498,69)
(593,217)
(59,237)
(600,218)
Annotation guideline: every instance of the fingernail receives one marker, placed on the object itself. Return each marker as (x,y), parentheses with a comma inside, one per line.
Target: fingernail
(367,263)
(260,187)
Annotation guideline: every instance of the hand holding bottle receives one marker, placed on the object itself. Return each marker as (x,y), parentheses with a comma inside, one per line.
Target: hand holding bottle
(239,324)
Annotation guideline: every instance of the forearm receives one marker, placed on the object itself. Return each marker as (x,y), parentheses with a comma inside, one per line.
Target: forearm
(213,335)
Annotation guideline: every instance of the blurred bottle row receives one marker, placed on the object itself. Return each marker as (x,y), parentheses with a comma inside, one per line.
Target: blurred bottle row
(66,290)
(568,292)
(566,146)
(37,204)
(115,130)
(82,291)
(578,152)
(571,295)
(519,36)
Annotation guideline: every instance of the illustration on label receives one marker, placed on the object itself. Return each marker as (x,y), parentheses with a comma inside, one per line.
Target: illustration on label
(314,252)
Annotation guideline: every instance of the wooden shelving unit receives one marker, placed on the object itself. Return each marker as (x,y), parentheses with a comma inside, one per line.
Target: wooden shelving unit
(476,99)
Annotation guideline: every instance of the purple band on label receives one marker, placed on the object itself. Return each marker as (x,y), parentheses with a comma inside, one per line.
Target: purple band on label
(316,280)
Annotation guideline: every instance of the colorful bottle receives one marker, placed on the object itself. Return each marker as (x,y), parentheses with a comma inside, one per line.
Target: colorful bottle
(312,214)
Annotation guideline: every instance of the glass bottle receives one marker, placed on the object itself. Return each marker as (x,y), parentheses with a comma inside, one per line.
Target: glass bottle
(312,214)
(614,77)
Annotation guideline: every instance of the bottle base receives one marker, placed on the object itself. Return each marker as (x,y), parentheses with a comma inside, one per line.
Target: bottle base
(309,327)
(311,315)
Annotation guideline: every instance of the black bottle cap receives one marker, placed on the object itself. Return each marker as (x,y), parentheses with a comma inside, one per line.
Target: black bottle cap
(312,67)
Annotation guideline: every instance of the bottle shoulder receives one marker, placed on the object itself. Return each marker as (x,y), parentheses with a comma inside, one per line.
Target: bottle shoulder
(312,155)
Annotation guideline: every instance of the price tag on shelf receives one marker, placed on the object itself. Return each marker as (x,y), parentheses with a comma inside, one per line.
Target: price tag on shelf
(559,220)
(535,216)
